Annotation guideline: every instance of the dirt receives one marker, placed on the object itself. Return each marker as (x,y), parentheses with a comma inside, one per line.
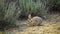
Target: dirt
(45,29)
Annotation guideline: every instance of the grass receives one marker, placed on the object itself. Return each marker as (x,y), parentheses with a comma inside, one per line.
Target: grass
(45,29)
(2,32)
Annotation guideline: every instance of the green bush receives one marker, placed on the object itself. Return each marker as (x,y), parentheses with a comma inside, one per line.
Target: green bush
(29,6)
(52,5)
(8,17)
(38,7)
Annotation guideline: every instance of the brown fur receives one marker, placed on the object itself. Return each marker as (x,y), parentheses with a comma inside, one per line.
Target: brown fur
(34,20)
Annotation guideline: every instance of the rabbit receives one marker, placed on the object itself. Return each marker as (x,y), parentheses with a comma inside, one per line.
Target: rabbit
(34,21)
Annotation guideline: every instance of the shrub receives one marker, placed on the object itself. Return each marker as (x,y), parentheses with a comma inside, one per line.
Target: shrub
(29,6)
(8,17)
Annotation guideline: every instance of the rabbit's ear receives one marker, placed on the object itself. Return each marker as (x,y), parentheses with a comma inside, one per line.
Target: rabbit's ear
(29,16)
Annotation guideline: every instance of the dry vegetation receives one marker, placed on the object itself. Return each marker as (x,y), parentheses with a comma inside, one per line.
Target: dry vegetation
(48,28)
(45,29)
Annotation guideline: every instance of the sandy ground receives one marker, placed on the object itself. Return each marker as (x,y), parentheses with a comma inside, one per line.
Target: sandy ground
(45,29)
